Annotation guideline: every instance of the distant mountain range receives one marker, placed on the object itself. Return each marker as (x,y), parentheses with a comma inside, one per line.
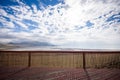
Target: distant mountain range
(12,45)
(4,46)
(31,43)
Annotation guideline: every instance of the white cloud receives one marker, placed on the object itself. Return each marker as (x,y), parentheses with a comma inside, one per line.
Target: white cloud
(2,12)
(58,24)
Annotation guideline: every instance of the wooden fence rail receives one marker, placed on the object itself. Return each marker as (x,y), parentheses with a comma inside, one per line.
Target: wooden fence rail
(61,59)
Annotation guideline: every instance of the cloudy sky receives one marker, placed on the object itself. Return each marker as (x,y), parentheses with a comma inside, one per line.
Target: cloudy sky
(86,24)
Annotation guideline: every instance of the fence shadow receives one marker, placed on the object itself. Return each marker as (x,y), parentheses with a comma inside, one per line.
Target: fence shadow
(12,74)
(87,74)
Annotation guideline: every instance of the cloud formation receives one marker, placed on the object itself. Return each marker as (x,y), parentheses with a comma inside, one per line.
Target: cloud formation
(85,22)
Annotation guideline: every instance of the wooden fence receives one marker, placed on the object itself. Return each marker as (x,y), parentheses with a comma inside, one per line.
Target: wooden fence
(61,59)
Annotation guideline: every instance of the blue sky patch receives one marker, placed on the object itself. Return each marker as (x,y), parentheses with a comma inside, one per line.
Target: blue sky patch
(10,10)
(31,27)
(32,2)
(7,19)
(51,2)
(18,28)
(8,3)
(40,3)
(114,17)
(89,24)
(29,22)
(1,25)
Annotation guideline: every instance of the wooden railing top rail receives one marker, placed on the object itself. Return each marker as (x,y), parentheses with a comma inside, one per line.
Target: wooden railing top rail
(63,51)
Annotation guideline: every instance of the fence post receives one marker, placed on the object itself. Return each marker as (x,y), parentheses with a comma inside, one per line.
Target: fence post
(29,59)
(84,61)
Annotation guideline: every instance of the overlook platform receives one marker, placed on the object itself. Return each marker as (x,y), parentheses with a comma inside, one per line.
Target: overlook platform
(33,73)
(59,65)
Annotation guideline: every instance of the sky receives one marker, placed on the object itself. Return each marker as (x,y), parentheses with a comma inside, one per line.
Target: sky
(84,24)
